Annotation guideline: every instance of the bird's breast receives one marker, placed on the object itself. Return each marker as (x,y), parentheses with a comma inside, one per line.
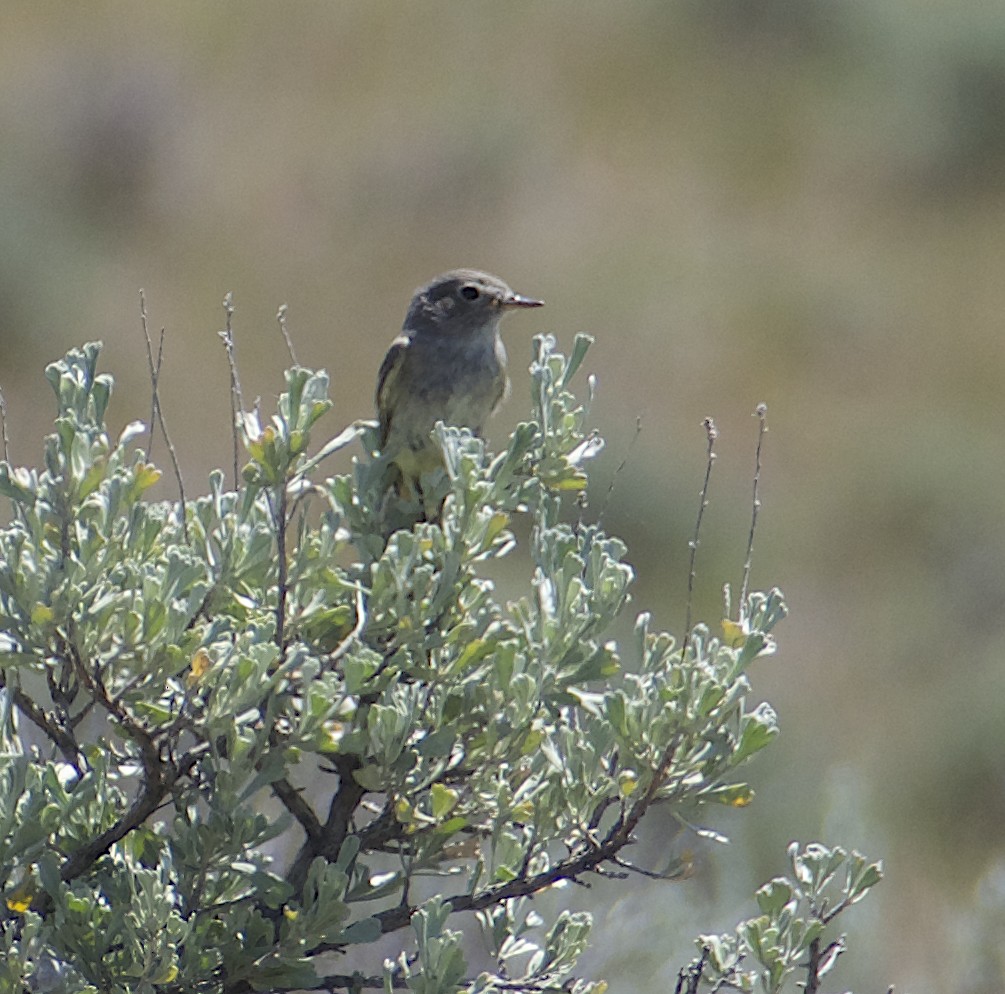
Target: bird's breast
(457,382)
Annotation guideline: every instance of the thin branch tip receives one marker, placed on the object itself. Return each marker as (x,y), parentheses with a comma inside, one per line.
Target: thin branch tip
(281,318)
(157,412)
(711,434)
(236,397)
(762,429)
(3,428)
(621,468)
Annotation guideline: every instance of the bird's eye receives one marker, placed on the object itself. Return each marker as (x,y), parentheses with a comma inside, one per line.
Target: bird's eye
(470,292)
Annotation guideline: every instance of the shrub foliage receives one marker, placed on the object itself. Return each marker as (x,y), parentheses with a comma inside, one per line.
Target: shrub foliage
(285,736)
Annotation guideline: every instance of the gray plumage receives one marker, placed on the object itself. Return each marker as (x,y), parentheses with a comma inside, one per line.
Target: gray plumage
(448,364)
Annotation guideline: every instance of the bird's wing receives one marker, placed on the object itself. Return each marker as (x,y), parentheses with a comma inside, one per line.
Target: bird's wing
(390,369)
(501,393)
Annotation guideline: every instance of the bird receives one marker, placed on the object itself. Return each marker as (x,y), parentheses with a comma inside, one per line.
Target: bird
(448,364)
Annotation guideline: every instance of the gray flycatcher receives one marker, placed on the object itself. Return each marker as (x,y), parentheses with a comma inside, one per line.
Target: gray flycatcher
(448,364)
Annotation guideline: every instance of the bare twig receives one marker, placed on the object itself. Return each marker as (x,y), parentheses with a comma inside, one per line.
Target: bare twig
(624,827)
(571,869)
(91,681)
(155,370)
(691,975)
(590,856)
(281,318)
(47,723)
(294,802)
(711,434)
(813,968)
(157,412)
(603,805)
(640,870)
(619,471)
(236,399)
(155,788)
(344,803)
(158,779)
(343,806)
(3,428)
(587,859)
(155,375)
(321,839)
(157,784)
(357,982)
(761,413)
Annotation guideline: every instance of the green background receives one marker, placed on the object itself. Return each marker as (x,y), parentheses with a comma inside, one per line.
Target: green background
(801,203)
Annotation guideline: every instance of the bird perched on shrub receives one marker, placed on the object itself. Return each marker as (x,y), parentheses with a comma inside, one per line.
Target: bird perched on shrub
(448,364)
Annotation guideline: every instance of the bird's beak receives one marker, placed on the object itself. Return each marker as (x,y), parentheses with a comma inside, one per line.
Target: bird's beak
(516,300)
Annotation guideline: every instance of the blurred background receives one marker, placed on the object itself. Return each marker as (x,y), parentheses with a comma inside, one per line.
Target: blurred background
(800,203)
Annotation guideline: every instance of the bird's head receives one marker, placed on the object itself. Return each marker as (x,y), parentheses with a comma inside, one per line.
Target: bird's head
(461,302)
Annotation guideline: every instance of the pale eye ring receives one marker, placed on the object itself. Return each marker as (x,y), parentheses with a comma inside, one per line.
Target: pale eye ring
(470,292)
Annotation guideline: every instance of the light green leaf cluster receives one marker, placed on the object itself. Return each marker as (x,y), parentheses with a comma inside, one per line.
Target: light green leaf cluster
(320,669)
(791,939)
